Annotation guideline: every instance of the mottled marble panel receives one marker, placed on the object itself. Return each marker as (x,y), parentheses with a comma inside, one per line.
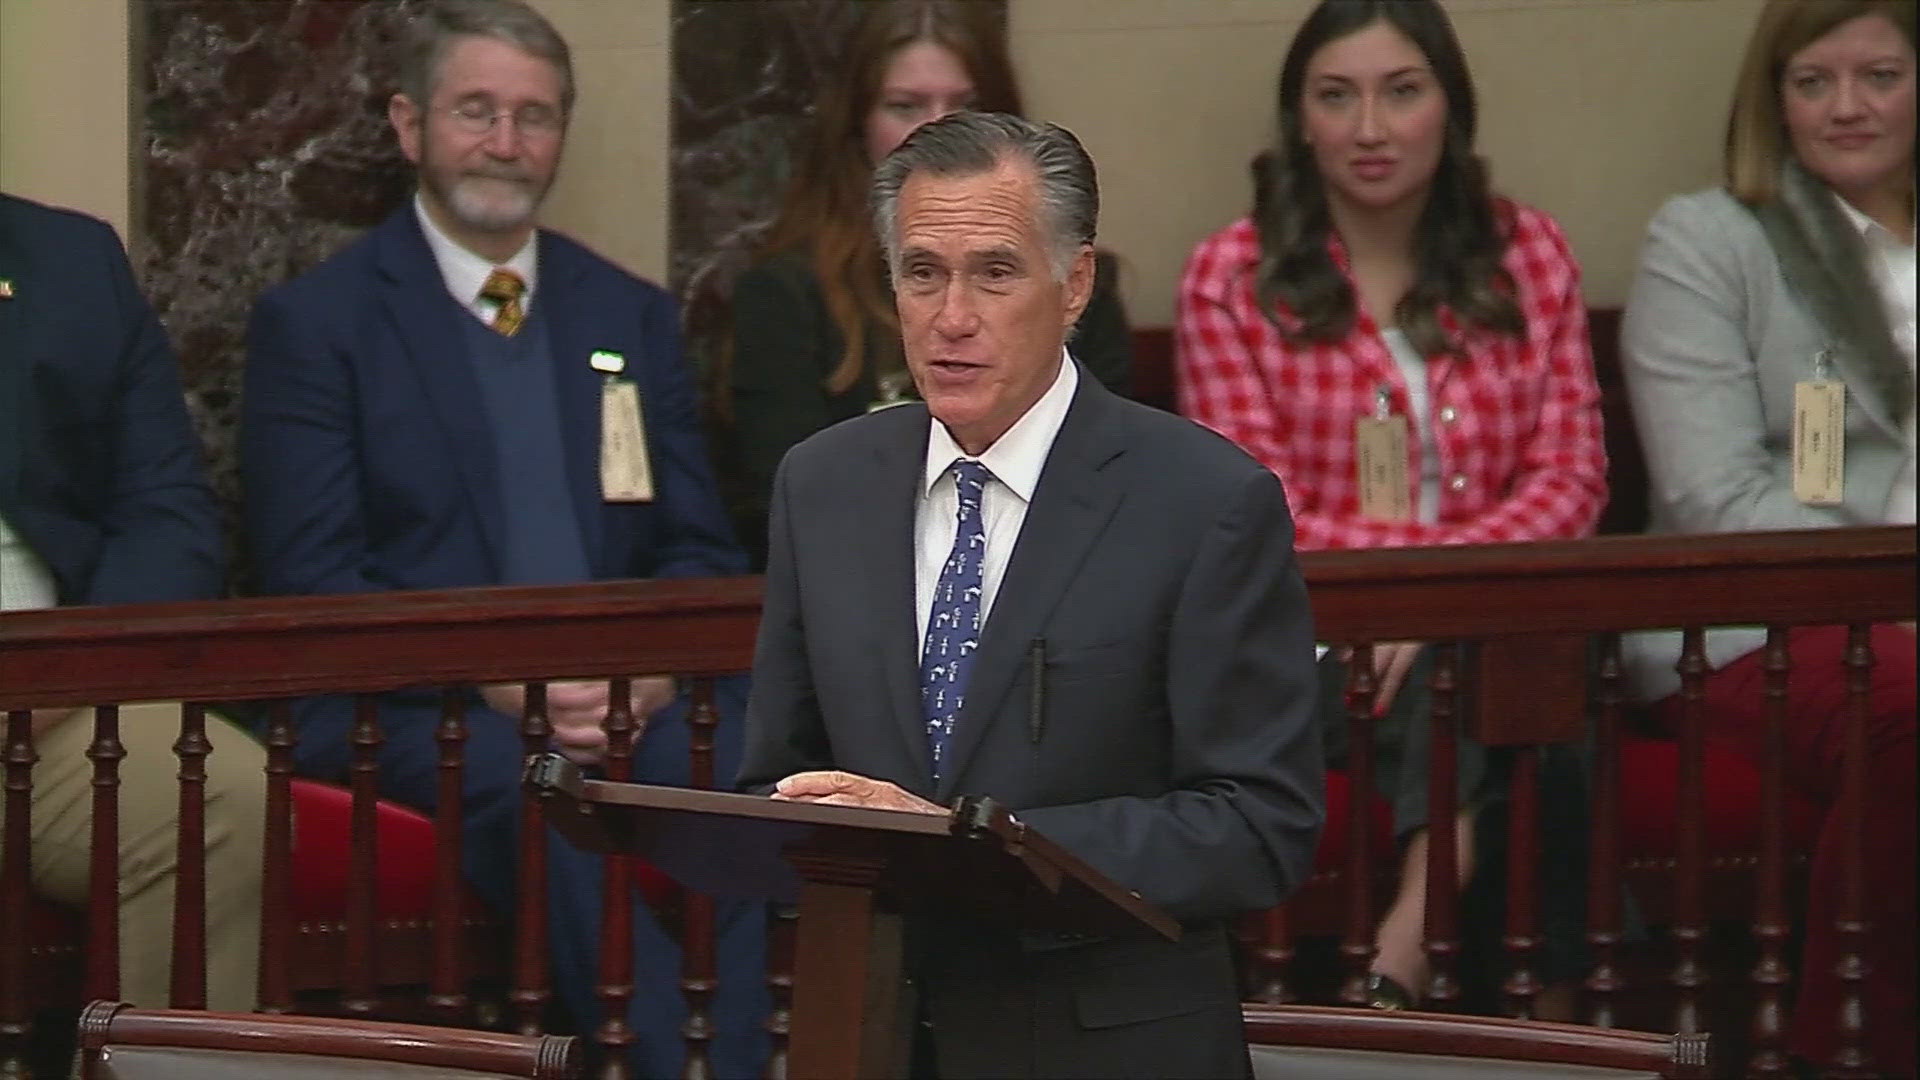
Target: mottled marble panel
(745,73)
(260,147)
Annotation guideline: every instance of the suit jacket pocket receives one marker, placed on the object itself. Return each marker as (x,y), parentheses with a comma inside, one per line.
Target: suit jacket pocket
(1169,979)
(1093,661)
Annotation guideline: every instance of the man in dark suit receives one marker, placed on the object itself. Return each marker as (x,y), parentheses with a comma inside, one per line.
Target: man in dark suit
(103,500)
(428,409)
(1032,589)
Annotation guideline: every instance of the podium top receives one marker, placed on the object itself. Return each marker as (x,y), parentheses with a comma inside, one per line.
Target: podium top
(978,861)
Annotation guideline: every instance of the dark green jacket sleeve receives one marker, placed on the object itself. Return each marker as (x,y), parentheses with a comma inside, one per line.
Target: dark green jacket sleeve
(1101,341)
(784,343)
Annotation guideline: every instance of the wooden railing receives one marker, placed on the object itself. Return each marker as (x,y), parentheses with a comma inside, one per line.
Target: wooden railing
(1529,609)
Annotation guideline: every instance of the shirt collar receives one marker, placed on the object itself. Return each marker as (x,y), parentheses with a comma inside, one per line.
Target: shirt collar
(1016,458)
(1870,230)
(465,272)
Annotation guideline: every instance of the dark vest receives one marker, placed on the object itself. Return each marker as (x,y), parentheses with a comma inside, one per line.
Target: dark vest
(521,401)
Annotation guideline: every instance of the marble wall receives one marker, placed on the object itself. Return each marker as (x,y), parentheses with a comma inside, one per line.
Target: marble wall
(742,92)
(260,147)
(744,79)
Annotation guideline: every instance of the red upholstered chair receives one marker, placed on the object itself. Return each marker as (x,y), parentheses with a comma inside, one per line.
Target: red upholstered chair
(1650,811)
(322,831)
(1331,857)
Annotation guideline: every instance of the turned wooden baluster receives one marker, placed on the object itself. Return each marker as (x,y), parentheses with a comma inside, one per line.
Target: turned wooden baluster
(615,988)
(1442,922)
(103,865)
(16,1015)
(446,992)
(1770,929)
(359,995)
(531,987)
(1272,956)
(697,975)
(1851,1057)
(276,885)
(1604,980)
(1689,976)
(1522,939)
(782,923)
(189,989)
(1356,948)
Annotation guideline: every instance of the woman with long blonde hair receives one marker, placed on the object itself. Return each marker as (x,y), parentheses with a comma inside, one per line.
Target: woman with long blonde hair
(1796,276)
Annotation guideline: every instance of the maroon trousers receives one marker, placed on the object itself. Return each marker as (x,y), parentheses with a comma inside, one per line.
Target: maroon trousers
(1735,714)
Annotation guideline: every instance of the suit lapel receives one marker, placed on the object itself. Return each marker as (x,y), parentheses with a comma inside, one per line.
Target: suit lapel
(429,327)
(1072,504)
(887,558)
(570,319)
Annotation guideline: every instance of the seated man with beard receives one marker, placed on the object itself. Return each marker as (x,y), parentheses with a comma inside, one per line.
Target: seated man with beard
(427,408)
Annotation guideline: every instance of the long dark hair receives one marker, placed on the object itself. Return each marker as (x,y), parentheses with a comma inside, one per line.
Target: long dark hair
(1460,239)
(825,212)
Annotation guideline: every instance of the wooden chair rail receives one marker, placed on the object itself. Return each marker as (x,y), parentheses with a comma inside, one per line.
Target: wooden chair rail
(1476,1036)
(106,1024)
(1528,606)
(280,646)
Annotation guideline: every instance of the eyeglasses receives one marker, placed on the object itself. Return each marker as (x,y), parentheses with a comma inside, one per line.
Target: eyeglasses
(478,117)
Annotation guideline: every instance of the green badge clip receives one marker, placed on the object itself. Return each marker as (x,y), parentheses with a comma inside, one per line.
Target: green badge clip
(610,363)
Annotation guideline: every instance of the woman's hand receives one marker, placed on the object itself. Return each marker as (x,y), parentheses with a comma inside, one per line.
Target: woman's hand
(1391,662)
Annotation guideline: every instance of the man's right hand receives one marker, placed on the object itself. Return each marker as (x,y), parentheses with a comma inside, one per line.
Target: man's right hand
(574,711)
(577,710)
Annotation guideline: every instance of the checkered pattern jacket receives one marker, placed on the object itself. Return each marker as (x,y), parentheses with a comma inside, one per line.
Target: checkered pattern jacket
(1516,420)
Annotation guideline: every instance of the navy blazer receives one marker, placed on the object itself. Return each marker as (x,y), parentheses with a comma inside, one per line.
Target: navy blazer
(364,447)
(100,471)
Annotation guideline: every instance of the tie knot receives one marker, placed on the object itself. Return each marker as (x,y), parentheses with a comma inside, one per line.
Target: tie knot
(969,480)
(503,287)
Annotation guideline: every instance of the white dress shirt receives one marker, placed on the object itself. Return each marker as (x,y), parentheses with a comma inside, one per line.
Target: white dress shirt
(25,582)
(465,272)
(1015,460)
(1891,263)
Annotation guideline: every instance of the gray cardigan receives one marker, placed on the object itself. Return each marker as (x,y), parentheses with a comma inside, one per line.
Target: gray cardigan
(1714,338)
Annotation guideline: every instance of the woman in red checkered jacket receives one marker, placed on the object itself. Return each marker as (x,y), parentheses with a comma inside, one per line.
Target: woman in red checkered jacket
(1382,304)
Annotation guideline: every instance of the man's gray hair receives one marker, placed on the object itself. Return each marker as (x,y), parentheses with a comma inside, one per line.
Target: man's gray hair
(442,22)
(970,143)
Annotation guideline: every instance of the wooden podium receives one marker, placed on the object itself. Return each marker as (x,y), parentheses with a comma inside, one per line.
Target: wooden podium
(855,873)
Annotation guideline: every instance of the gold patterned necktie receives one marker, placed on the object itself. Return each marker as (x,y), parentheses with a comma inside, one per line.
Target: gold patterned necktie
(505,288)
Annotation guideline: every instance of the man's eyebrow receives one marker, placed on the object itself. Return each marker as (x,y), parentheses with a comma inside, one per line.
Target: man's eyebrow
(994,254)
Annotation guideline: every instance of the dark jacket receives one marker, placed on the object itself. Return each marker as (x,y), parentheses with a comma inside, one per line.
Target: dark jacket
(786,344)
(1175,750)
(100,471)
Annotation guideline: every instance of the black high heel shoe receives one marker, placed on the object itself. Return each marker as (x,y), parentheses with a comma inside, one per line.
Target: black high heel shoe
(1385,992)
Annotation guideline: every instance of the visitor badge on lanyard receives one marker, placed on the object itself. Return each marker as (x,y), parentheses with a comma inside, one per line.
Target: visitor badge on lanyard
(1380,457)
(1819,435)
(626,474)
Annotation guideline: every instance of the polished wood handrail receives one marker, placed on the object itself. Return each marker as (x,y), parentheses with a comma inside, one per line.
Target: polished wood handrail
(1476,1036)
(105,1024)
(1526,607)
(276,646)
(1614,583)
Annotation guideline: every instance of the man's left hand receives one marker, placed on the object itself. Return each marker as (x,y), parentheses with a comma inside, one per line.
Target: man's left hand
(834,788)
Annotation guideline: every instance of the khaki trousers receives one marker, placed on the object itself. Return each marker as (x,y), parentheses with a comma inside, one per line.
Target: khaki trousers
(149,809)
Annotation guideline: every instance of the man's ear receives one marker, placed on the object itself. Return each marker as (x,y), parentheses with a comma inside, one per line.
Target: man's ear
(406,118)
(1079,283)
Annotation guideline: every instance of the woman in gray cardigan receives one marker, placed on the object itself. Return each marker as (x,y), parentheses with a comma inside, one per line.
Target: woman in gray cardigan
(1800,270)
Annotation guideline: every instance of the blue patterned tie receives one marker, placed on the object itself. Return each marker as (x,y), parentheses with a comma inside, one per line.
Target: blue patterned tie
(953,624)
